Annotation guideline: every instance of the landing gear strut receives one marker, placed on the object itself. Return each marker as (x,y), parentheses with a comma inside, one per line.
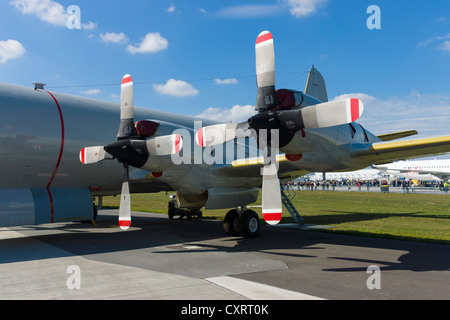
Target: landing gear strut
(242,222)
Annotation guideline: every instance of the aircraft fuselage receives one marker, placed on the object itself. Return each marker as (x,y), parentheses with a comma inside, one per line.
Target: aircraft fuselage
(42,133)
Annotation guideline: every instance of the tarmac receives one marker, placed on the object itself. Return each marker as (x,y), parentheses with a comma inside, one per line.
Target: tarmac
(162,259)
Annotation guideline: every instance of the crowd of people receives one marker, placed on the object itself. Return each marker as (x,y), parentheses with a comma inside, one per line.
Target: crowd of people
(364,185)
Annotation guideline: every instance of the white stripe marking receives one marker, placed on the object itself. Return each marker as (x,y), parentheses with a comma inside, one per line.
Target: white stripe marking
(258,291)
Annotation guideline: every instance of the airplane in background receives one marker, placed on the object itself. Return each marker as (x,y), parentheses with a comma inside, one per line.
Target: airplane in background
(429,170)
(45,178)
(363,174)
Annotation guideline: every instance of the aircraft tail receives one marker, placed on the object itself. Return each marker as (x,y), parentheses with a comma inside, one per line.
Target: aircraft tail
(315,86)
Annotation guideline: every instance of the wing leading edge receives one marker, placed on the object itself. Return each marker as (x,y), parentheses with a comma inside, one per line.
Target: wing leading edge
(251,168)
(383,152)
(397,135)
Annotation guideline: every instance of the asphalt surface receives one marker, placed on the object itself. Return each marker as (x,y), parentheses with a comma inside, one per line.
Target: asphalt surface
(160,259)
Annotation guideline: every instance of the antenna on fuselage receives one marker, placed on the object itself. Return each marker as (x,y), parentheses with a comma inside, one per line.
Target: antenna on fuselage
(39,86)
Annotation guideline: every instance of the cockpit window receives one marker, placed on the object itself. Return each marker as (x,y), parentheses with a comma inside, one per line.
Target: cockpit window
(352,130)
(366,138)
(304,100)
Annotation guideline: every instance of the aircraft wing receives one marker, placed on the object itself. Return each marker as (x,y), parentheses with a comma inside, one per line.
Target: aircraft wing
(397,135)
(384,152)
(251,168)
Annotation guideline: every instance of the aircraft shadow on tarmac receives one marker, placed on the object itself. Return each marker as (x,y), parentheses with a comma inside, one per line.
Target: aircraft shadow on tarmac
(84,239)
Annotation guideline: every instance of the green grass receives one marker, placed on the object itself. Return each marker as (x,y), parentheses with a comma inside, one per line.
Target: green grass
(417,217)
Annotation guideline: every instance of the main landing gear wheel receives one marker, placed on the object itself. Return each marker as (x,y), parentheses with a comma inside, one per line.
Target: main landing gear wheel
(245,225)
(231,223)
(249,224)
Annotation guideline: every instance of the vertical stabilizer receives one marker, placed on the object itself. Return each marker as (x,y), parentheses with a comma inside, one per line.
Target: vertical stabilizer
(316,85)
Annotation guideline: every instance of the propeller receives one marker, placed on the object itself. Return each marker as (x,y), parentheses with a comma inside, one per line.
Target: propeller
(267,97)
(130,148)
(126,130)
(272,123)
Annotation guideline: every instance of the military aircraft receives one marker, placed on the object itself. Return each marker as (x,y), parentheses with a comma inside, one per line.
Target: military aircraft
(45,178)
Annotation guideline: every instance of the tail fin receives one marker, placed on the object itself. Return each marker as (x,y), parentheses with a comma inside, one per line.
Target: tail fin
(316,85)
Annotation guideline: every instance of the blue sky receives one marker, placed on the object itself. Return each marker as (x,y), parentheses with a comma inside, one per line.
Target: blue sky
(197,57)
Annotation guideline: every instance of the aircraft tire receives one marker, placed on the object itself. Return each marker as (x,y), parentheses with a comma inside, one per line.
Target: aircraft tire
(231,223)
(249,224)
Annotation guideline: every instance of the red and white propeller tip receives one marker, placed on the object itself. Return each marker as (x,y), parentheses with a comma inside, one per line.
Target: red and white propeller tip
(265,60)
(125,205)
(126,98)
(127,80)
(332,113)
(124,224)
(178,144)
(271,195)
(90,155)
(264,38)
(164,145)
(356,109)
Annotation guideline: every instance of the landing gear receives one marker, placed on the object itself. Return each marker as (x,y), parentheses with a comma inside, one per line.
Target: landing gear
(249,224)
(231,223)
(173,210)
(244,223)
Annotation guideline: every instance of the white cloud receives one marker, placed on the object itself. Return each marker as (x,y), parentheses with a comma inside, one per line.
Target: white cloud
(89,26)
(171,9)
(297,8)
(153,42)
(10,49)
(177,88)
(49,11)
(445,46)
(236,113)
(429,114)
(91,92)
(425,43)
(115,97)
(250,11)
(46,10)
(203,10)
(226,81)
(112,37)
(303,8)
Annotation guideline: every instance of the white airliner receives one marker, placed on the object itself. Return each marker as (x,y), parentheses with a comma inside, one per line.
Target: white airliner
(419,170)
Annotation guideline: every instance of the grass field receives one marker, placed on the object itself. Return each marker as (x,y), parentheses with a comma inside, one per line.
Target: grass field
(416,217)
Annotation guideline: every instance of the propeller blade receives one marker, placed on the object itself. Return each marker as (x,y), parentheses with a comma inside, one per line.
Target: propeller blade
(271,195)
(127,128)
(90,155)
(322,115)
(332,113)
(164,145)
(125,204)
(221,133)
(267,97)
